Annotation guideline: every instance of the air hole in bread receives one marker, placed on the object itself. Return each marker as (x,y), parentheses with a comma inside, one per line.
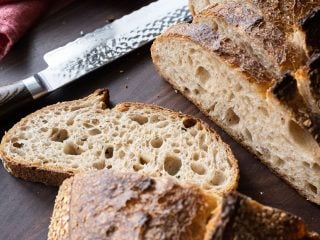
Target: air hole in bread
(198,168)
(72,149)
(202,74)
(110,231)
(162,124)
(218,178)
(264,111)
(307,165)
(195,156)
(279,162)
(59,135)
(154,119)
(95,121)
(87,125)
(196,91)
(300,136)
(156,142)
(247,135)
(139,119)
(108,153)
(189,122)
(94,131)
(176,151)
(44,129)
(74,165)
(143,160)
(193,132)
(70,121)
(137,167)
(238,87)
(231,117)
(316,167)
(191,51)
(190,62)
(17,145)
(99,165)
(172,165)
(121,154)
(312,188)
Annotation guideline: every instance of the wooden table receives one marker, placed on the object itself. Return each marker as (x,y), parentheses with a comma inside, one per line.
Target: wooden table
(25,208)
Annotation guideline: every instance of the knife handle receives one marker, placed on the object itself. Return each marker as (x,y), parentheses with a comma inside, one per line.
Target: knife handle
(19,94)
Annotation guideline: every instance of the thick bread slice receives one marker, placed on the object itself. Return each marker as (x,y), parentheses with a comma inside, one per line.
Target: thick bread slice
(83,135)
(242,24)
(272,121)
(110,205)
(239,217)
(298,19)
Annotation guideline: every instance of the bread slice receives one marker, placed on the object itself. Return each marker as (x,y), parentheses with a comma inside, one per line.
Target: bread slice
(235,91)
(84,135)
(110,205)
(239,217)
(244,25)
(272,45)
(299,20)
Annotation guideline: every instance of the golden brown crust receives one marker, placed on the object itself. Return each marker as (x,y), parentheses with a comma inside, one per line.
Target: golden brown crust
(263,34)
(240,217)
(109,205)
(210,41)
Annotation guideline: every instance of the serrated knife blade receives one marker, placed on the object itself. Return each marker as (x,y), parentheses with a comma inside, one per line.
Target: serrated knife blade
(96,49)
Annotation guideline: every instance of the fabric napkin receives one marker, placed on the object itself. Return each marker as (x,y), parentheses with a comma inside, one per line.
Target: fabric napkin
(15,18)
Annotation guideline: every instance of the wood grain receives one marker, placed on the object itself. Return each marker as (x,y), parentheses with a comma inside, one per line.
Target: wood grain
(25,208)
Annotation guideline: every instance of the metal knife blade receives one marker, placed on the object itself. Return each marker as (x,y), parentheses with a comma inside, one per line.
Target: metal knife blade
(95,50)
(106,44)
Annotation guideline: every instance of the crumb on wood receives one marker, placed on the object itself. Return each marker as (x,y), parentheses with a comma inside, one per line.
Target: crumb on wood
(176,91)
(121,71)
(110,19)
(81,33)
(126,86)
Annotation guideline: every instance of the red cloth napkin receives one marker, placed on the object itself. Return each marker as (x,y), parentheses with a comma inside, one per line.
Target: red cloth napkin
(15,18)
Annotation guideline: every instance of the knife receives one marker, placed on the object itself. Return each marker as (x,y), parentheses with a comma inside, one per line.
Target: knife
(94,50)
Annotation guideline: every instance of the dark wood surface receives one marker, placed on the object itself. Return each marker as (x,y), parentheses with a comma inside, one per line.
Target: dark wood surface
(25,208)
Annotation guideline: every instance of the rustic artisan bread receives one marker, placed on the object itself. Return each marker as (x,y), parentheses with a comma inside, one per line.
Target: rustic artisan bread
(239,217)
(237,92)
(274,47)
(299,20)
(110,205)
(66,138)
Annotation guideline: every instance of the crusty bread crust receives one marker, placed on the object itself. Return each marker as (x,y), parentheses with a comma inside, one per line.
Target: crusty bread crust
(243,218)
(261,34)
(129,206)
(55,176)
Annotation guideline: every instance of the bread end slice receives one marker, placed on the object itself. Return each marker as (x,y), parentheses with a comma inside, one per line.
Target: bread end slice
(239,217)
(111,205)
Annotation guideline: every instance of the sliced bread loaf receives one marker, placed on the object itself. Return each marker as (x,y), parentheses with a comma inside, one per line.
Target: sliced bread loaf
(109,205)
(83,135)
(237,92)
(299,20)
(274,47)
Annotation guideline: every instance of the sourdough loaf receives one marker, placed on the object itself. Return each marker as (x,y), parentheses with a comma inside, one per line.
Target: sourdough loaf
(236,91)
(85,135)
(109,205)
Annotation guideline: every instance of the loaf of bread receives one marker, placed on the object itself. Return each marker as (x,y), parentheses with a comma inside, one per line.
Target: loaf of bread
(84,135)
(283,35)
(109,205)
(269,116)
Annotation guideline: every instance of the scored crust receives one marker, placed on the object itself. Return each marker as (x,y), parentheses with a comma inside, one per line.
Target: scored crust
(113,205)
